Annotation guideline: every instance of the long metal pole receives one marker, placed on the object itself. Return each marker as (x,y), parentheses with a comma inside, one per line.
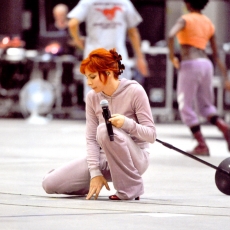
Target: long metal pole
(192,156)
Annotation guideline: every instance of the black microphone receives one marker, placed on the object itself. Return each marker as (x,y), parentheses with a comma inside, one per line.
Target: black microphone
(106,114)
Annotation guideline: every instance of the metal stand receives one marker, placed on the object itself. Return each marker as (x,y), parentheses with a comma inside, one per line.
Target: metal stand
(161,92)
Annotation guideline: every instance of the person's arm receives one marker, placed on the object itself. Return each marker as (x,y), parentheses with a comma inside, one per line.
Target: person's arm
(93,153)
(73,26)
(144,129)
(216,58)
(93,148)
(180,24)
(135,40)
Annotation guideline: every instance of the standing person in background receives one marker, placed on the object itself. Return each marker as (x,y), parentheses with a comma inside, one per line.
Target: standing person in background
(60,25)
(62,45)
(60,12)
(107,24)
(123,160)
(194,30)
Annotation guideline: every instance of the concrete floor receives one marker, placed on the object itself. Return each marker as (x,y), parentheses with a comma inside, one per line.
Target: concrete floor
(180,192)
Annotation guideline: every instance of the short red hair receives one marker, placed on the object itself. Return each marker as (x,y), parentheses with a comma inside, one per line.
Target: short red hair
(102,60)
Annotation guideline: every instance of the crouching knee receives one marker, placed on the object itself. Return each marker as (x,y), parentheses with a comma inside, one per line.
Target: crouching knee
(102,133)
(48,185)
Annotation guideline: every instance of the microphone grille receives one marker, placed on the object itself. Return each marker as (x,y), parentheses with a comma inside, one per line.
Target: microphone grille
(104,103)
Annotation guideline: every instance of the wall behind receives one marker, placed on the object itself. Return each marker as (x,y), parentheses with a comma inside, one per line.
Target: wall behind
(153,13)
(30,32)
(10,17)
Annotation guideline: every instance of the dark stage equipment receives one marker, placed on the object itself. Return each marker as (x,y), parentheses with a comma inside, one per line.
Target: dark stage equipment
(222,176)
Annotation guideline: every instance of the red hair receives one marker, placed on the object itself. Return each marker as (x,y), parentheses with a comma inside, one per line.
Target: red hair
(101,61)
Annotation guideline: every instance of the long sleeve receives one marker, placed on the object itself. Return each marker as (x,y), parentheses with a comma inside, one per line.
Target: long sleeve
(93,148)
(141,126)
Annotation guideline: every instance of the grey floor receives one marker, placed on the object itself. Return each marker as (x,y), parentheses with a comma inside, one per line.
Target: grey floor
(180,192)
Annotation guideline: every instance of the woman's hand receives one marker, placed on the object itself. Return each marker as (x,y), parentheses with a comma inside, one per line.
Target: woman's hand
(79,43)
(96,184)
(227,85)
(142,66)
(117,120)
(175,62)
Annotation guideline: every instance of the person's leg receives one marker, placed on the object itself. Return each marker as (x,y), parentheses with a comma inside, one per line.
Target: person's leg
(205,101)
(201,148)
(72,178)
(222,126)
(187,89)
(205,94)
(127,162)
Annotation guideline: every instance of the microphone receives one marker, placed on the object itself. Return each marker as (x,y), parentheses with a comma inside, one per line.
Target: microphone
(106,114)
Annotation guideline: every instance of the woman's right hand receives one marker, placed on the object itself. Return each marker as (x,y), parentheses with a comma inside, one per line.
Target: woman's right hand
(96,184)
(117,120)
(227,85)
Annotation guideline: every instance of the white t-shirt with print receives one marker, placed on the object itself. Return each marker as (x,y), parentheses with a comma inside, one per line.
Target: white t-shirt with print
(107,22)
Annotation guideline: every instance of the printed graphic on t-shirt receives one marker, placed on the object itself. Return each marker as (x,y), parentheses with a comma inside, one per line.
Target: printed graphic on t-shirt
(110,13)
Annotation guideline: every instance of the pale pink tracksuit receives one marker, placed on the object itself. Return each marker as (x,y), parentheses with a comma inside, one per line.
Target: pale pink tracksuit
(121,161)
(194,88)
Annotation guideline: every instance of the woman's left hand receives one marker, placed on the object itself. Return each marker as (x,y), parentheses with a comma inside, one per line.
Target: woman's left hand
(117,120)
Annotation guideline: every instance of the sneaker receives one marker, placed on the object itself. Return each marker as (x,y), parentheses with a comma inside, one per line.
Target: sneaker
(200,150)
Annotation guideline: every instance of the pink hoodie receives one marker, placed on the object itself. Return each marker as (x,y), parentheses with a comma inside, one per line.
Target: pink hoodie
(130,100)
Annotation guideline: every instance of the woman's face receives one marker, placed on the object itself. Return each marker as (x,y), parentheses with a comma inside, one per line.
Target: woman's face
(94,81)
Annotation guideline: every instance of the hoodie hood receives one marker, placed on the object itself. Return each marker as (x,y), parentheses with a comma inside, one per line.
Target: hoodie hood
(124,83)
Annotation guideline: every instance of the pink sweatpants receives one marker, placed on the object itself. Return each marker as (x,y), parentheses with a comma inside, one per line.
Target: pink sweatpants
(194,88)
(123,162)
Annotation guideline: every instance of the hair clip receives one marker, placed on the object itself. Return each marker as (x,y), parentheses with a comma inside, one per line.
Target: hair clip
(121,67)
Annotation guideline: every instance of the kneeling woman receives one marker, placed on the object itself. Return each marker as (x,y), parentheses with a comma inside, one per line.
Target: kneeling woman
(121,161)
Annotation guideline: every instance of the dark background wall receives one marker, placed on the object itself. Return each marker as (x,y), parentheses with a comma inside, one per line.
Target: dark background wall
(153,13)
(30,35)
(10,17)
